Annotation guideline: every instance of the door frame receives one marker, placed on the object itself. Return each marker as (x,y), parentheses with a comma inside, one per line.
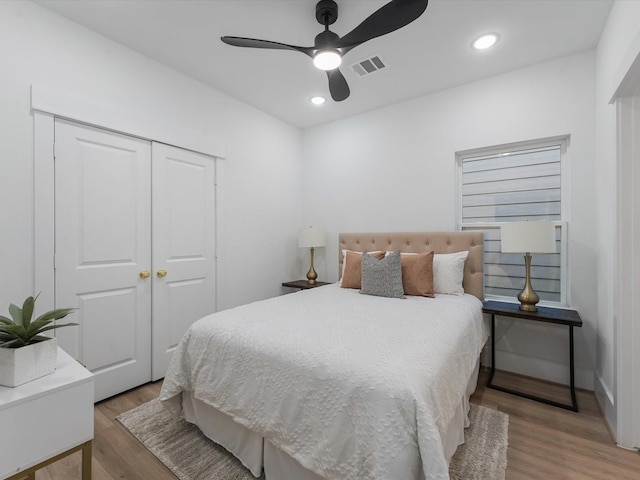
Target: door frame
(46,105)
(44,211)
(627,276)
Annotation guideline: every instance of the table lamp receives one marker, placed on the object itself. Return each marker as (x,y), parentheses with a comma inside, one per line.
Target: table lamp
(528,237)
(311,237)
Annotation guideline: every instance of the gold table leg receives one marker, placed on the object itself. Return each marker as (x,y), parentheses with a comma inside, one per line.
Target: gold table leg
(86,460)
(30,473)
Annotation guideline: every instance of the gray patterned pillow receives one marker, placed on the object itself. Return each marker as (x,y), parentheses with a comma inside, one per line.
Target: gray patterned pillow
(382,278)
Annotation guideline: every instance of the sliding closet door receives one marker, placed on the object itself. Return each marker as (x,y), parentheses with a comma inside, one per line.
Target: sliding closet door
(102,252)
(183,246)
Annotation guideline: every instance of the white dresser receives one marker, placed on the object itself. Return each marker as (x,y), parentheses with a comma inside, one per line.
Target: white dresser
(47,419)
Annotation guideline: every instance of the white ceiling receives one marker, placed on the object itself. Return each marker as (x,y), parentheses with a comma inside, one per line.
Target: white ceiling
(430,54)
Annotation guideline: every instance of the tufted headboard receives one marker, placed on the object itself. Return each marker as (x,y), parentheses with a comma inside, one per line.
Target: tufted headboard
(419,242)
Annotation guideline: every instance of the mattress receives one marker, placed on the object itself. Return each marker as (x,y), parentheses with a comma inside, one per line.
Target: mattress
(348,385)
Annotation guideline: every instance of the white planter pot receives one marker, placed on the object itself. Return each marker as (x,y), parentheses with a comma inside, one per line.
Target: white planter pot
(21,365)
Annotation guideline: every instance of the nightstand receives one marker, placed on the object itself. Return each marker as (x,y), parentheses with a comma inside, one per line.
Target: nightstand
(46,419)
(303,285)
(560,316)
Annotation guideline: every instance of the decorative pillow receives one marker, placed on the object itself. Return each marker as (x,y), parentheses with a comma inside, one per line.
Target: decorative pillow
(417,274)
(352,268)
(448,271)
(344,257)
(383,277)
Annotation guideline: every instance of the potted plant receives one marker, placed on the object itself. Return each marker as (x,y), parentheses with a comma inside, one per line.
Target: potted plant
(26,354)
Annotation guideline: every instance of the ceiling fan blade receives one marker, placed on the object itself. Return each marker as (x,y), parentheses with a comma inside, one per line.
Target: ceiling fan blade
(338,85)
(255,43)
(390,17)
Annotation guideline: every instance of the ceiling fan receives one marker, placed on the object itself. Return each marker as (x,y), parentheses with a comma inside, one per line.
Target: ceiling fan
(329,48)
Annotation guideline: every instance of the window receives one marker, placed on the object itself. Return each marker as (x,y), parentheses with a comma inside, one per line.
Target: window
(513,183)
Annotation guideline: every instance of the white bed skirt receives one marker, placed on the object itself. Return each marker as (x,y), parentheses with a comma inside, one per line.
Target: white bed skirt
(256,452)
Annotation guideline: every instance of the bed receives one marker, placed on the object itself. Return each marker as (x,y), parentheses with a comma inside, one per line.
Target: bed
(328,383)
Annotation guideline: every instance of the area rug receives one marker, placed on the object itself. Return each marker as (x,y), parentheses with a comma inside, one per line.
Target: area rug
(192,456)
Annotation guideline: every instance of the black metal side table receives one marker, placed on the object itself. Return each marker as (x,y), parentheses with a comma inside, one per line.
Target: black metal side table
(561,316)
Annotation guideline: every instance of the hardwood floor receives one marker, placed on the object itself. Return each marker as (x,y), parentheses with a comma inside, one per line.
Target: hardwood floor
(545,442)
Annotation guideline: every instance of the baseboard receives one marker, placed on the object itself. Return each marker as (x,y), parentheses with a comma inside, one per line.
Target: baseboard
(606,404)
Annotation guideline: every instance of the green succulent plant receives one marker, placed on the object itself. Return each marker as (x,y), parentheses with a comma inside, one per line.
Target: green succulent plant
(19,330)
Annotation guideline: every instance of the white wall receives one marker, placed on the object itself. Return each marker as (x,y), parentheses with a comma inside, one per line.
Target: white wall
(258,182)
(394,170)
(618,47)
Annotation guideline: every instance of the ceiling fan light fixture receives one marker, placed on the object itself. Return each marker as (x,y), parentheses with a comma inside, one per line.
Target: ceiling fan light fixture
(317,100)
(327,59)
(485,41)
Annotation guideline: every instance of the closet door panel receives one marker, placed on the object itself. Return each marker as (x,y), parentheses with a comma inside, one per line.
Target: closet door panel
(102,313)
(183,246)
(102,243)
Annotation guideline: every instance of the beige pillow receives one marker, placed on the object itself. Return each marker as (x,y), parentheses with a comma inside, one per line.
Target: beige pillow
(352,271)
(417,274)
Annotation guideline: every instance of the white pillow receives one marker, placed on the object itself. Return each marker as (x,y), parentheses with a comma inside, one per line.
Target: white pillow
(448,271)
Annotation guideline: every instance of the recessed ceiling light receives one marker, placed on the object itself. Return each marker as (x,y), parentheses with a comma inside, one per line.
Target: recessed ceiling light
(485,41)
(318,100)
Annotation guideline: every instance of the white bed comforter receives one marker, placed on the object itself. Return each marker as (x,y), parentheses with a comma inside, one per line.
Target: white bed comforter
(350,385)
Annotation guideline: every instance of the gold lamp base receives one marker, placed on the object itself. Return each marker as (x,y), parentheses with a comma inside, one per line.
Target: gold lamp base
(528,297)
(311,274)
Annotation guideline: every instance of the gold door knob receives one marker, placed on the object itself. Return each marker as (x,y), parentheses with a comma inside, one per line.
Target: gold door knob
(145,274)
(161,273)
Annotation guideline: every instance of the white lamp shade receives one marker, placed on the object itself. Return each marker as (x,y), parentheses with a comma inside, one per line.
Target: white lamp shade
(311,237)
(528,237)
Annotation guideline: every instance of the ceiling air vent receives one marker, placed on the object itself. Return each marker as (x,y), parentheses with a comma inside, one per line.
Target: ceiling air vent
(368,66)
